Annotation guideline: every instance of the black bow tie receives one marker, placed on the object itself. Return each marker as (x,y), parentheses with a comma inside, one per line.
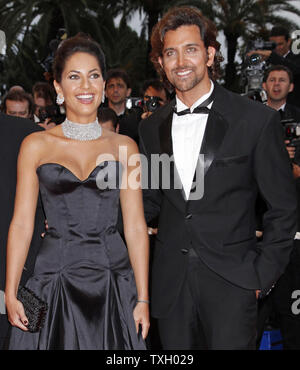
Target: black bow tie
(202,108)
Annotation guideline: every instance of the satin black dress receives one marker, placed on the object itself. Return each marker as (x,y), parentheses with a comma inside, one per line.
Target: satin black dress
(82,270)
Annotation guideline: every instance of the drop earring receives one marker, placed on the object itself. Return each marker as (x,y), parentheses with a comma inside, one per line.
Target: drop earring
(60,99)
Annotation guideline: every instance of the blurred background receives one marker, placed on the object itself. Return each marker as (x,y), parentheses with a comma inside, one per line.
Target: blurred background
(34,29)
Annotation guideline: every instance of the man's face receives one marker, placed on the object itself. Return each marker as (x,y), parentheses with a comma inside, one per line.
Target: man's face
(151,91)
(117,91)
(185,60)
(278,86)
(282,45)
(17,108)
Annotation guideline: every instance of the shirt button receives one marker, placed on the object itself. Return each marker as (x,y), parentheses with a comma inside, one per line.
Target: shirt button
(189,216)
(184,251)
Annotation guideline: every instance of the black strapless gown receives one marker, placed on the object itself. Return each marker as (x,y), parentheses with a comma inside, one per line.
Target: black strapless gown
(82,269)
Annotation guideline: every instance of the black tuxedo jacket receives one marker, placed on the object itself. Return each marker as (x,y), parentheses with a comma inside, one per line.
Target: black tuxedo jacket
(12,132)
(244,154)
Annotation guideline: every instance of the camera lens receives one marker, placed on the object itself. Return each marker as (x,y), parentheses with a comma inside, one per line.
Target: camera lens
(255,59)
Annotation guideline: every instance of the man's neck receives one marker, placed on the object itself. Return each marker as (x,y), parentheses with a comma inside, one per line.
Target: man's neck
(276,104)
(191,96)
(118,108)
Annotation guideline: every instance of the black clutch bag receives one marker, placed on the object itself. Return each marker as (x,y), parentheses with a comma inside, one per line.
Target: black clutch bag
(35,308)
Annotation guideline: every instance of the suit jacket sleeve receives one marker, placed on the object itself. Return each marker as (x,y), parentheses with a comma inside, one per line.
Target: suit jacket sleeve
(275,181)
(152,198)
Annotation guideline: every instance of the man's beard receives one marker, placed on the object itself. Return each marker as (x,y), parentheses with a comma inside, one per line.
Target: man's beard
(184,85)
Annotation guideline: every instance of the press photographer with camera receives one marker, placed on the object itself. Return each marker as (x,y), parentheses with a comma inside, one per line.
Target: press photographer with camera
(278,83)
(154,96)
(282,55)
(47,113)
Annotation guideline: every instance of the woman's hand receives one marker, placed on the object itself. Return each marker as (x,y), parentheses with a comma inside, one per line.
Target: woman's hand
(141,317)
(16,314)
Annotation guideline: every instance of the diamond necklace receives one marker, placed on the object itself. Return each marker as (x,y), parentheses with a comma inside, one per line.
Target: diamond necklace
(81,131)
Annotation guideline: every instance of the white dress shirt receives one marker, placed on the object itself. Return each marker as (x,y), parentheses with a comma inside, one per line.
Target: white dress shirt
(187,136)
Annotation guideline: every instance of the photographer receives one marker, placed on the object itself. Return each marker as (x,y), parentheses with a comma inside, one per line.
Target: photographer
(282,55)
(154,96)
(278,83)
(47,113)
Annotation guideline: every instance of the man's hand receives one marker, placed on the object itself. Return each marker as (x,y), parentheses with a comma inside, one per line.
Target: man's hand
(291,149)
(265,54)
(47,124)
(257,293)
(296,171)
(146,115)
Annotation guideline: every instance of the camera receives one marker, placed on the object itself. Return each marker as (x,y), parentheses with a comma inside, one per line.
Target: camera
(49,111)
(134,103)
(260,44)
(152,103)
(53,45)
(254,68)
(292,133)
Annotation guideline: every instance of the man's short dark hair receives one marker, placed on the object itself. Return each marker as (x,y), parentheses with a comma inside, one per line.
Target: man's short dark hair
(278,68)
(118,73)
(107,114)
(156,84)
(280,31)
(19,95)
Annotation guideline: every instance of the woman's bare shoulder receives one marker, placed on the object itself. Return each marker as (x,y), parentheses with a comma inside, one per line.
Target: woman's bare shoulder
(123,140)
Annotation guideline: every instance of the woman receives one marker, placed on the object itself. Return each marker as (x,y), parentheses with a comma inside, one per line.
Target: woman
(83,270)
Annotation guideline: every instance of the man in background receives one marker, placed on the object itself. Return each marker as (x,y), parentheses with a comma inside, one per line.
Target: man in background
(117,91)
(18,103)
(282,55)
(12,131)
(276,308)
(154,95)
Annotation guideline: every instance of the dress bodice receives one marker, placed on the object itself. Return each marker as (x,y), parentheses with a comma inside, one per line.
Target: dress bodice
(80,209)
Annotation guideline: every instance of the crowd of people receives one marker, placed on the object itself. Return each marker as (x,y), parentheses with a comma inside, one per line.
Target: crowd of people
(224,257)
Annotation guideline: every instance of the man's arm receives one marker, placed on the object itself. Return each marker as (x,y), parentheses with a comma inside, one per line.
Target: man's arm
(277,187)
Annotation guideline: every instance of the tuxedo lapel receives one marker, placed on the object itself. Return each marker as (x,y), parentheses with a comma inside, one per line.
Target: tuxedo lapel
(175,190)
(216,128)
(215,131)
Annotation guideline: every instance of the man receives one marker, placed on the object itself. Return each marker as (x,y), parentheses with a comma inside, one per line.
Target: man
(278,82)
(12,132)
(154,96)
(284,56)
(207,269)
(18,103)
(117,91)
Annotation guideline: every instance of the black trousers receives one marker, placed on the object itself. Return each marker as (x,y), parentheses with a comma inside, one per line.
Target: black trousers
(278,304)
(210,313)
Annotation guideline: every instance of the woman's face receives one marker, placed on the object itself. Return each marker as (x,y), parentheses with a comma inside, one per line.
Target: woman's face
(82,87)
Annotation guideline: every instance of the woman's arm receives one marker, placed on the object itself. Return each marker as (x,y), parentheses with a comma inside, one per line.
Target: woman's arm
(21,227)
(135,230)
